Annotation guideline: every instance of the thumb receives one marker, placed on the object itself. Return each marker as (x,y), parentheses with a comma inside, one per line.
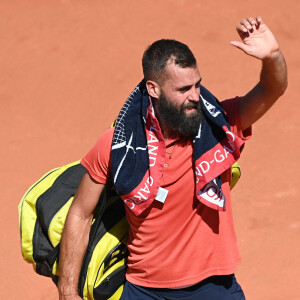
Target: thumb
(240,45)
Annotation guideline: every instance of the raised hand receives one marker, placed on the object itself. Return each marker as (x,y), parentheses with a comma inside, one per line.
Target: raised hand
(257,39)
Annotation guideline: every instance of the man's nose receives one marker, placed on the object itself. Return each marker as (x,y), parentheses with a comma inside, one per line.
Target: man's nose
(195,94)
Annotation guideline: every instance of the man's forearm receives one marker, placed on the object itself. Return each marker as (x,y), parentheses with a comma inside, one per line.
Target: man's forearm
(273,77)
(272,84)
(76,235)
(73,246)
(258,41)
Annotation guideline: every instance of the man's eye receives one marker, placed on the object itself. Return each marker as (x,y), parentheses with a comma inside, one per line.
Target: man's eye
(183,90)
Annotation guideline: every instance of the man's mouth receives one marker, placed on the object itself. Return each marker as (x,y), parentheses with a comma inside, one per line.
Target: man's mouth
(191,107)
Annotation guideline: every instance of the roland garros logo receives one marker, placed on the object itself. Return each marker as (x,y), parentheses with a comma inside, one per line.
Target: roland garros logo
(217,157)
(142,192)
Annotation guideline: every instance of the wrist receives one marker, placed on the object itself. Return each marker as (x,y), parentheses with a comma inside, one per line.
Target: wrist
(66,295)
(273,56)
(67,289)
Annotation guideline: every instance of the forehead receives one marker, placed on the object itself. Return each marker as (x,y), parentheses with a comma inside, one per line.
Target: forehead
(176,76)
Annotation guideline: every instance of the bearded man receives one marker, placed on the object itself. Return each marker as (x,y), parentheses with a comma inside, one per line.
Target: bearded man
(170,158)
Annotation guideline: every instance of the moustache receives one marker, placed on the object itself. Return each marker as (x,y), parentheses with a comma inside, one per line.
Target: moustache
(191,105)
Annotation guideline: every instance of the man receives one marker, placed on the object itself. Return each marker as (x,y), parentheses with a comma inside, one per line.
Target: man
(172,169)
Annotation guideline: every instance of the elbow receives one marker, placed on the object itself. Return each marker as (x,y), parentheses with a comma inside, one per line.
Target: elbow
(284,87)
(283,83)
(279,90)
(281,86)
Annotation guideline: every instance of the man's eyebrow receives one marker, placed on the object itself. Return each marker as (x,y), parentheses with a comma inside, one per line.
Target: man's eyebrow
(186,87)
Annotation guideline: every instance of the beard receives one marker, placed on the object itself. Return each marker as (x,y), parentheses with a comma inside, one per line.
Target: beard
(182,124)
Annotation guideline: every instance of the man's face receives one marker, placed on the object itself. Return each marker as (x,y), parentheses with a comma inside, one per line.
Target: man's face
(178,104)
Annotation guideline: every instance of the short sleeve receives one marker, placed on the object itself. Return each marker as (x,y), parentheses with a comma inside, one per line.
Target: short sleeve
(231,108)
(97,160)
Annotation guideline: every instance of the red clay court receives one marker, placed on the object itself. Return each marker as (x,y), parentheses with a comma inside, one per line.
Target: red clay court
(68,66)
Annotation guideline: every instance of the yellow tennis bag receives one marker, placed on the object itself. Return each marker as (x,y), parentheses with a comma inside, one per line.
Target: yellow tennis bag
(42,214)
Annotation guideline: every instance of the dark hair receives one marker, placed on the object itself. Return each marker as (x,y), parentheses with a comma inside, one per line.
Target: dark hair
(157,55)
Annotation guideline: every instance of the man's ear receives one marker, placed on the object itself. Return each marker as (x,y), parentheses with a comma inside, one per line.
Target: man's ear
(153,89)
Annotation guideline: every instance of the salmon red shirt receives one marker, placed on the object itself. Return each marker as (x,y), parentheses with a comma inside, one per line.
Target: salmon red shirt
(181,241)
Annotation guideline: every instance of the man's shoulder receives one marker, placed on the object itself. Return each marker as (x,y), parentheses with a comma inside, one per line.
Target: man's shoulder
(231,106)
(231,103)
(108,134)
(232,110)
(105,140)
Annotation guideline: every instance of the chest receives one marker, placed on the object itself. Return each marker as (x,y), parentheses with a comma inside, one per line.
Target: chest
(178,164)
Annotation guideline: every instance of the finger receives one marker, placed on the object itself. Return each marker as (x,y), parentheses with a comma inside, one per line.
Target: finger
(239,45)
(252,21)
(259,20)
(241,28)
(246,24)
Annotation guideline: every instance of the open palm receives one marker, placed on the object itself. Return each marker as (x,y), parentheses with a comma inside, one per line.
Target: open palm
(257,40)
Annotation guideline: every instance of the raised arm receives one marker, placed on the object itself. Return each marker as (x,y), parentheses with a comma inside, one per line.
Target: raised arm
(259,42)
(76,235)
